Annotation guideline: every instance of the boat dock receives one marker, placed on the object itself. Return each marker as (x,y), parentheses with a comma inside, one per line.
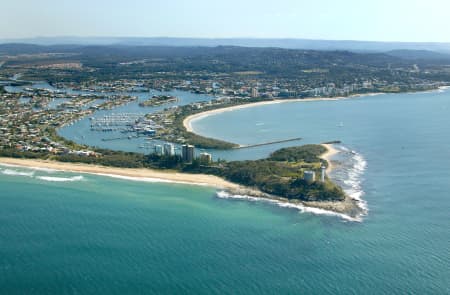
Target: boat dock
(112,121)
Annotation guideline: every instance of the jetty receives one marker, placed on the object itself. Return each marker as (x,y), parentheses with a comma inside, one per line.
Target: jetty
(267,143)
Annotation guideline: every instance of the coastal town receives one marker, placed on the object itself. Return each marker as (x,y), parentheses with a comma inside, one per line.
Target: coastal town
(225,147)
(43,94)
(30,117)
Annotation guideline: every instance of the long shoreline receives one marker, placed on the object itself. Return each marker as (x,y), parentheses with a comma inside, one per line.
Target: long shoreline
(143,173)
(347,209)
(136,173)
(187,122)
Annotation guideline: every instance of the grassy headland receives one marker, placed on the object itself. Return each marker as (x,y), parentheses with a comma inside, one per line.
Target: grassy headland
(280,175)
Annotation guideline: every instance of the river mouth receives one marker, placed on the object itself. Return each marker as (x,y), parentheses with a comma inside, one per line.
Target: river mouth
(348,174)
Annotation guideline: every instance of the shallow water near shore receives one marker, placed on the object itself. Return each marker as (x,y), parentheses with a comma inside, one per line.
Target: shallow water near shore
(94,234)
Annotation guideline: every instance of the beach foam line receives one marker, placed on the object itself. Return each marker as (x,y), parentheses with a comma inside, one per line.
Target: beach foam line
(49,170)
(300,207)
(148,175)
(78,178)
(61,179)
(17,173)
(354,178)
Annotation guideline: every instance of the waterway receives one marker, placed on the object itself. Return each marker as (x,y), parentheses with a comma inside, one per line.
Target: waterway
(70,233)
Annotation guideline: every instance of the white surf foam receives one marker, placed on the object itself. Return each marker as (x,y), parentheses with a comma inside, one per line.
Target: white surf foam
(300,207)
(49,170)
(17,173)
(352,184)
(351,180)
(78,178)
(60,179)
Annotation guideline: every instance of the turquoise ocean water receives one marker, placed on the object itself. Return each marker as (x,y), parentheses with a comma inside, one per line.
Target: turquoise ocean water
(64,233)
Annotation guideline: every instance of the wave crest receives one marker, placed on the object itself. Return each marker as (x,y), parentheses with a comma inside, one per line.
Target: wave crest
(300,207)
(17,173)
(61,179)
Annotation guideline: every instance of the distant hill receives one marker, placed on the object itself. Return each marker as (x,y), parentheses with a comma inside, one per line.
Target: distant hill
(248,57)
(253,57)
(308,44)
(25,48)
(419,55)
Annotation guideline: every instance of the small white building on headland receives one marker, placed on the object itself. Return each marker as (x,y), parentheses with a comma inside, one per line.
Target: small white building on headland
(323,173)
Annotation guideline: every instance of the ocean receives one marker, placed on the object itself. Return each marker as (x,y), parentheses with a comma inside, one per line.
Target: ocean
(69,233)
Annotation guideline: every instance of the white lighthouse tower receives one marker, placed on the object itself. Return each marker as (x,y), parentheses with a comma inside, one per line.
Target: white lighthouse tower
(322,175)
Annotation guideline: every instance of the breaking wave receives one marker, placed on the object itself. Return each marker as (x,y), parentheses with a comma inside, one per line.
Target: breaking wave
(348,174)
(31,174)
(300,207)
(17,173)
(60,179)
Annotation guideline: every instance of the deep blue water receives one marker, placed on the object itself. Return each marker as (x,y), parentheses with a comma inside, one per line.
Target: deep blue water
(96,234)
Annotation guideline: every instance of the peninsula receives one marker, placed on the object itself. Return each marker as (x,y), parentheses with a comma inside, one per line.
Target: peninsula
(82,80)
(274,178)
(158,100)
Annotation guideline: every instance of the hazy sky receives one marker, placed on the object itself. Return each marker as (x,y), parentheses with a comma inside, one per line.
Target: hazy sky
(382,20)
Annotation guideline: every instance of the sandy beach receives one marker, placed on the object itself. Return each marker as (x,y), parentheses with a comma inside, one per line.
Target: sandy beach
(138,174)
(331,151)
(187,122)
(142,173)
(347,209)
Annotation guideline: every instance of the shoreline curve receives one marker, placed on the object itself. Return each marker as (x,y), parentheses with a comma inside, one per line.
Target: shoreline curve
(345,209)
(187,122)
(142,174)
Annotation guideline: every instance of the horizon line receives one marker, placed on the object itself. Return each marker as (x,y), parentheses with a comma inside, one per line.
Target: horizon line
(219,38)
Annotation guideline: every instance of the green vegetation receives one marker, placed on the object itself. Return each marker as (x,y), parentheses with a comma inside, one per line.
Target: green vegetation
(308,153)
(158,100)
(177,128)
(305,69)
(280,175)
(207,143)
(107,158)
(199,141)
